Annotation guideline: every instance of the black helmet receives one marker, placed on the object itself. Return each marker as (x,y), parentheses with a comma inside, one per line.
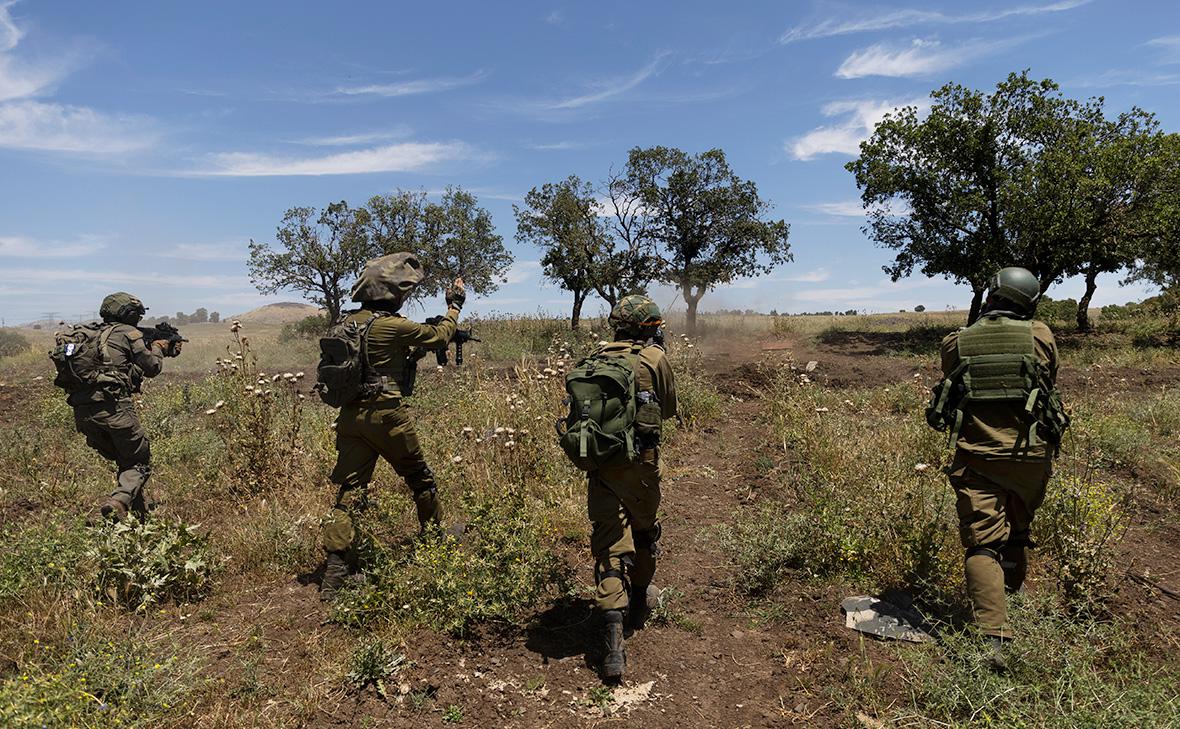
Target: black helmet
(1017,286)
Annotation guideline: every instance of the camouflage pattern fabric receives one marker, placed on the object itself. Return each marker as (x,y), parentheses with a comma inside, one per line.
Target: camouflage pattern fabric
(635,312)
(122,306)
(114,430)
(388,278)
(130,354)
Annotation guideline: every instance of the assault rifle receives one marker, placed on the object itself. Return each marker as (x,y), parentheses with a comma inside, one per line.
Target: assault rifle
(442,351)
(167,333)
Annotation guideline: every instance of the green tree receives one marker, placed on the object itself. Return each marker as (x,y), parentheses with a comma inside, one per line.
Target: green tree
(1159,257)
(200,316)
(453,238)
(317,255)
(1022,176)
(214,317)
(707,221)
(562,220)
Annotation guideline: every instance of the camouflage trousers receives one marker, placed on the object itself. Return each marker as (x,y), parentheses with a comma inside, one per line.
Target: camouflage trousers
(365,433)
(622,504)
(113,429)
(995,501)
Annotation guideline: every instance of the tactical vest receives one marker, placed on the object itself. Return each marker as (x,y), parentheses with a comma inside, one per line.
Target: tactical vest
(998,363)
(346,373)
(390,376)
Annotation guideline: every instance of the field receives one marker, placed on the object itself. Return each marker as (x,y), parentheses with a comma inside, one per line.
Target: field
(803,474)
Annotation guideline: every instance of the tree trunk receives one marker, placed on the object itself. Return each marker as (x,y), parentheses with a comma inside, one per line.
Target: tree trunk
(691,299)
(1084,303)
(976,305)
(576,315)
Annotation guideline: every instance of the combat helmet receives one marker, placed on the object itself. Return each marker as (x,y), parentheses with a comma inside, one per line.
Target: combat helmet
(122,307)
(388,278)
(1016,286)
(636,314)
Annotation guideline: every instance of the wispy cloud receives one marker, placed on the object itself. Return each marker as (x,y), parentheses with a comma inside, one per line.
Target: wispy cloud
(819,275)
(1168,46)
(918,58)
(908,17)
(612,89)
(859,119)
(226,251)
(22,247)
(413,87)
(354,140)
(34,125)
(53,278)
(405,157)
(1128,77)
(555,18)
(522,271)
(843,208)
(554,146)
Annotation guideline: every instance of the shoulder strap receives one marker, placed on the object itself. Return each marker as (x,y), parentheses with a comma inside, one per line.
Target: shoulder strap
(104,343)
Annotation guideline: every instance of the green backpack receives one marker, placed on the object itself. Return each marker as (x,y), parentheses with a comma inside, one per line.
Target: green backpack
(83,362)
(599,431)
(343,374)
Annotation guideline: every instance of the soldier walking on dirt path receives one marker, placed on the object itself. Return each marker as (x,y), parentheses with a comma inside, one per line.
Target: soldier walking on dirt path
(101,365)
(620,397)
(374,420)
(999,401)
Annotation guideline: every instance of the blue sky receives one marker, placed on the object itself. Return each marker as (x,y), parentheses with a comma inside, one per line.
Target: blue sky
(143,144)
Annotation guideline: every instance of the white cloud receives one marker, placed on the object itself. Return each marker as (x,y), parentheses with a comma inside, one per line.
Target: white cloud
(54,278)
(35,125)
(860,118)
(819,275)
(1136,77)
(1169,47)
(522,271)
(22,79)
(21,247)
(919,58)
(227,251)
(611,88)
(404,157)
(353,140)
(554,146)
(907,17)
(411,88)
(843,208)
(555,18)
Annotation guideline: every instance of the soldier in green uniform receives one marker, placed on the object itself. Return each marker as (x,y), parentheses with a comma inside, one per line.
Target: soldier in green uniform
(104,412)
(998,399)
(380,425)
(623,501)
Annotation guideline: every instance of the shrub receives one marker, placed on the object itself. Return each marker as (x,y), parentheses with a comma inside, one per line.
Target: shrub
(1057,310)
(93,683)
(502,567)
(41,556)
(12,343)
(1080,525)
(141,563)
(371,663)
(311,327)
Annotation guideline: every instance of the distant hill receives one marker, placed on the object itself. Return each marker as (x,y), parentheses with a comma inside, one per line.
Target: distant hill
(282,313)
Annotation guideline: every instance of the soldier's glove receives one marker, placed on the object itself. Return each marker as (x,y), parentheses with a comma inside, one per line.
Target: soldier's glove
(456,297)
(162,345)
(175,349)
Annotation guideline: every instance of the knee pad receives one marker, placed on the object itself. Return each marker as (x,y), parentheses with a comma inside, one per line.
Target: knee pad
(647,540)
(338,531)
(604,571)
(992,550)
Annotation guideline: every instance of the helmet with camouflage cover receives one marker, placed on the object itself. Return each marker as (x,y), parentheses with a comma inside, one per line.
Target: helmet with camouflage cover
(388,278)
(122,307)
(1016,286)
(637,314)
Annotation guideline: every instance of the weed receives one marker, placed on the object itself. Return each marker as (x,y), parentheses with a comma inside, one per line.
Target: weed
(371,664)
(141,563)
(453,714)
(534,684)
(601,696)
(13,343)
(1080,525)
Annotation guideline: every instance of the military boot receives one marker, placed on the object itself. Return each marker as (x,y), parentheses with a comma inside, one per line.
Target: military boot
(113,509)
(335,572)
(614,660)
(642,600)
(995,654)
